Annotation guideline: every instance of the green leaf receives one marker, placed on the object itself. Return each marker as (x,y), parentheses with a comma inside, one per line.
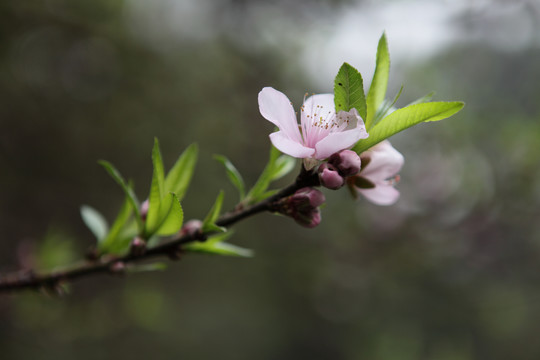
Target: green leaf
(386,108)
(173,219)
(277,167)
(179,177)
(423,99)
(379,83)
(406,117)
(95,222)
(209,222)
(265,195)
(128,190)
(157,191)
(349,90)
(119,234)
(283,165)
(216,245)
(233,175)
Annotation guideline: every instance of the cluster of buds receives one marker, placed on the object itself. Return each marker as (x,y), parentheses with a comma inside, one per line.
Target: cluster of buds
(340,165)
(372,174)
(303,206)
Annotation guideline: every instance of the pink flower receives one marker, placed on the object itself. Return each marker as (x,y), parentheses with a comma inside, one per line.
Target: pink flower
(320,133)
(376,179)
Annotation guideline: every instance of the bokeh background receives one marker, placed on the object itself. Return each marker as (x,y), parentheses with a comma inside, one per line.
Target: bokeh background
(452,271)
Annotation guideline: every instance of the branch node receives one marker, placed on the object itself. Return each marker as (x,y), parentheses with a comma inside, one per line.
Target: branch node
(176,253)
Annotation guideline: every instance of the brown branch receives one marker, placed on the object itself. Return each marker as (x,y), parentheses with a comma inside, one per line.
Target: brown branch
(172,249)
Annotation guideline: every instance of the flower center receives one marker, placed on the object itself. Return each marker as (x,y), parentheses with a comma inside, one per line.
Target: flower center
(317,122)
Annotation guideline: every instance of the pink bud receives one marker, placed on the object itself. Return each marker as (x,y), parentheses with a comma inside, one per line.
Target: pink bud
(144,209)
(303,205)
(329,177)
(138,246)
(117,267)
(307,197)
(191,228)
(347,162)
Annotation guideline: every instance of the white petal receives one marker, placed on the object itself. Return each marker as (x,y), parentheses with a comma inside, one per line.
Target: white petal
(325,101)
(385,162)
(338,141)
(381,194)
(276,108)
(289,146)
(317,106)
(351,119)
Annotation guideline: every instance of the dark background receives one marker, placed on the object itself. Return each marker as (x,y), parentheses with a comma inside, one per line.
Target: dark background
(452,271)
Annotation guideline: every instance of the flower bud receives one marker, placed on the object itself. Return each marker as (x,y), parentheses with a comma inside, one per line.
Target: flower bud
(330,177)
(117,268)
(308,219)
(192,228)
(303,205)
(306,198)
(347,162)
(144,209)
(138,246)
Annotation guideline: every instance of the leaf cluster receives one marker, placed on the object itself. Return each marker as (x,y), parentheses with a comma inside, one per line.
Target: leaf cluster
(380,117)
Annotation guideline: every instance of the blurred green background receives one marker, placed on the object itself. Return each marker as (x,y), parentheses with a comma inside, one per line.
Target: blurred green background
(452,271)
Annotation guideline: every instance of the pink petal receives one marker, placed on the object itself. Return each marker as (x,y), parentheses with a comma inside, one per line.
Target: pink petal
(338,141)
(277,108)
(385,162)
(381,194)
(290,147)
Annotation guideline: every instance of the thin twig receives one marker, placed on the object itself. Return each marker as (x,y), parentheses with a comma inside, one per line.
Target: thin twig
(114,265)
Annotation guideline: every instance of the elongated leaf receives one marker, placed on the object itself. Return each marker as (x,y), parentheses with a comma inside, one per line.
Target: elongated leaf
(266,176)
(116,234)
(283,165)
(169,218)
(233,175)
(277,167)
(173,219)
(265,195)
(216,245)
(349,90)
(423,99)
(379,83)
(386,108)
(406,117)
(128,190)
(179,177)
(209,222)
(95,222)
(157,191)
(221,249)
